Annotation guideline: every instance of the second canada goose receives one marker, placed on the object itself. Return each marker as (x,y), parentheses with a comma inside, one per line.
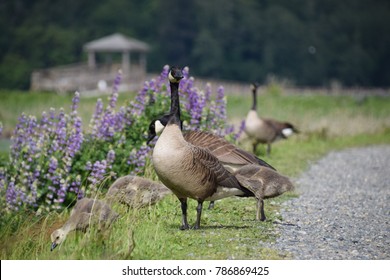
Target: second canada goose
(136,191)
(187,170)
(85,212)
(262,130)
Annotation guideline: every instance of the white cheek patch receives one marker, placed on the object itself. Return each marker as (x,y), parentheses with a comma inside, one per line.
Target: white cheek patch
(171,78)
(159,127)
(287,132)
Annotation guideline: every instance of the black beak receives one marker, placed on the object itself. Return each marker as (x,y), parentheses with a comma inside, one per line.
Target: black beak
(53,245)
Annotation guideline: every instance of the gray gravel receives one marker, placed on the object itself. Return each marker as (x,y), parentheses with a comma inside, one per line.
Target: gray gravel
(343,209)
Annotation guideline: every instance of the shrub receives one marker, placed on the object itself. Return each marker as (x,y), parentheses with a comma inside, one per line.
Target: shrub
(53,160)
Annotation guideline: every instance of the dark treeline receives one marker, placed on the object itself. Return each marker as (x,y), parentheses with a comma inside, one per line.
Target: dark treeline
(310,43)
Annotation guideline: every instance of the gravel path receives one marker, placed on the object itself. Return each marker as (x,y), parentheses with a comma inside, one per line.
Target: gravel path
(343,211)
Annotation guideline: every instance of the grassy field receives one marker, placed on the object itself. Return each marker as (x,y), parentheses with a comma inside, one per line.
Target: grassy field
(229,231)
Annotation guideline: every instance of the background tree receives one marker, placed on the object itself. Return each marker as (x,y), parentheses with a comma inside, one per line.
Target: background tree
(308,42)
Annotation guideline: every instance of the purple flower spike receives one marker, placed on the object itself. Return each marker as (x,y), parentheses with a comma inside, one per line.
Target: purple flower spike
(75,101)
(117,82)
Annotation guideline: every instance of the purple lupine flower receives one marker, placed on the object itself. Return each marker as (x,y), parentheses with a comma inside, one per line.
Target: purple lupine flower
(186,72)
(110,156)
(221,102)
(162,79)
(96,118)
(2,178)
(61,193)
(18,138)
(1,128)
(137,106)
(240,130)
(97,175)
(76,137)
(218,113)
(11,196)
(195,107)
(60,132)
(74,187)
(53,164)
(113,100)
(75,101)
(137,159)
(120,119)
(117,82)
(88,166)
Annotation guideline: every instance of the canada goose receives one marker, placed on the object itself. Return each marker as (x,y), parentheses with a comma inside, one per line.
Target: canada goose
(85,211)
(136,191)
(228,154)
(264,183)
(265,131)
(252,172)
(187,170)
(231,156)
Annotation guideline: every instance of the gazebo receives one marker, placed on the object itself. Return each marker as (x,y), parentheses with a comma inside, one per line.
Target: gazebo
(118,43)
(92,75)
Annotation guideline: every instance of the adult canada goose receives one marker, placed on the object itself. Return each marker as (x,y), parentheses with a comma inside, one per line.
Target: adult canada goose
(265,131)
(187,170)
(252,172)
(136,191)
(264,183)
(228,154)
(85,211)
(231,156)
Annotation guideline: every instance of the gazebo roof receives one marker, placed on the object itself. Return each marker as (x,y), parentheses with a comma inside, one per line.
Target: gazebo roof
(116,43)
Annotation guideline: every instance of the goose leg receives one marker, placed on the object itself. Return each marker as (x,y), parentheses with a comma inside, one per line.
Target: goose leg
(254,147)
(211,205)
(268,149)
(184,222)
(260,215)
(198,214)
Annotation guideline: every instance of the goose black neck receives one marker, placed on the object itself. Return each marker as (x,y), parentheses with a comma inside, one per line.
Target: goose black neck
(175,104)
(254,105)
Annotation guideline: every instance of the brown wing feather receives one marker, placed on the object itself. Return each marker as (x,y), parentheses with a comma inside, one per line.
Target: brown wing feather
(213,170)
(225,152)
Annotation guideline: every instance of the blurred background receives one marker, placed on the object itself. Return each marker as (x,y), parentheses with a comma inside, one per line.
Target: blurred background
(304,42)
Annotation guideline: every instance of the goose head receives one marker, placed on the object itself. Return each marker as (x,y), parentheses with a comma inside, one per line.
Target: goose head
(157,126)
(57,237)
(254,86)
(175,75)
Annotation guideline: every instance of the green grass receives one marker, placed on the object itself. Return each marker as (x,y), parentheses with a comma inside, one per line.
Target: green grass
(229,231)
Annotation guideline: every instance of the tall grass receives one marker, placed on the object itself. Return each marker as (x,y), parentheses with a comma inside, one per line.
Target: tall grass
(230,230)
